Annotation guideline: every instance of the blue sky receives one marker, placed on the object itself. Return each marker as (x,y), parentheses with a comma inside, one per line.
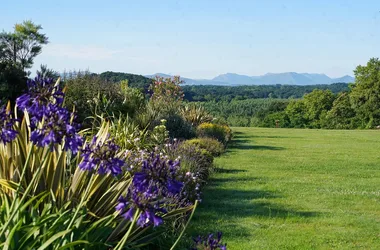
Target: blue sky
(202,39)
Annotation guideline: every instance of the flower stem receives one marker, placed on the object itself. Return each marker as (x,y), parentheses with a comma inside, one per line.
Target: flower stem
(187,224)
(121,244)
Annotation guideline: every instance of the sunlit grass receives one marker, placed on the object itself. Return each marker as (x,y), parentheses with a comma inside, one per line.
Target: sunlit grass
(295,189)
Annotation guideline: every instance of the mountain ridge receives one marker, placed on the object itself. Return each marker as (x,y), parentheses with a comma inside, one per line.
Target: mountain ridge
(285,78)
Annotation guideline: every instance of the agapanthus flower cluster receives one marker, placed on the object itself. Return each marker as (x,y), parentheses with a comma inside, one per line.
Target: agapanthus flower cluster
(153,187)
(56,127)
(7,133)
(192,187)
(193,178)
(41,92)
(50,123)
(209,242)
(102,156)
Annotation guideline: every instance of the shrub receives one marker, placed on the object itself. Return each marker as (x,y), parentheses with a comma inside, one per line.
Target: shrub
(12,81)
(194,160)
(61,190)
(166,94)
(195,114)
(221,133)
(213,146)
(129,136)
(92,96)
(178,127)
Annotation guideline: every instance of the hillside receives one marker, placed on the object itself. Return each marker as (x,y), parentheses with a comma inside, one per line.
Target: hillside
(287,78)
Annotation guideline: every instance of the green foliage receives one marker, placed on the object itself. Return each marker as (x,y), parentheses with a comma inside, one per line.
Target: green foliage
(198,93)
(134,81)
(311,111)
(296,111)
(165,104)
(215,147)
(241,113)
(193,160)
(166,95)
(195,114)
(365,95)
(341,115)
(221,133)
(12,81)
(129,136)
(275,119)
(23,45)
(323,107)
(47,201)
(317,104)
(92,96)
(45,72)
(272,115)
(178,127)
(45,226)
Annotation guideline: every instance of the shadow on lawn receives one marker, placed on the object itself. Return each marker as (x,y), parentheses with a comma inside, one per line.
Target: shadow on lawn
(255,147)
(273,137)
(232,203)
(222,181)
(233,206)
(229,171)
(245,144)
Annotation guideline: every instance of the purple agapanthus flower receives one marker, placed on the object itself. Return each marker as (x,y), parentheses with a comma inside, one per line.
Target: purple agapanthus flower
(209,242)
(158,173)
(102,156)
(41,92)
(153,187)
(7,133)
(56,128)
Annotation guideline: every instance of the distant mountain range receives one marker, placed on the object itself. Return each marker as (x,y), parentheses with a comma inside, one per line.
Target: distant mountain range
(288,78)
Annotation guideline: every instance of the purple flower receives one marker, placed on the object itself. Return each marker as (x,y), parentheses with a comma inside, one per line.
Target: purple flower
(142,220)
(56,128)
(102,155)
(174,186)
(209,242)
(159,174)
(50,123)
(7,133)
(153,188)
(129,214)
(41,92)
(122,204)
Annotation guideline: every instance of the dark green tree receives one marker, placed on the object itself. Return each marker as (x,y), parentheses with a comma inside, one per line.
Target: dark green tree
(17,51)
(23,44)
(318,103)
(341,115)
(297,113)
(365,94)
(12,81)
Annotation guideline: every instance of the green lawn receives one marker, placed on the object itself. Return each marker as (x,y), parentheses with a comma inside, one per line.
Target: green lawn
(295,189)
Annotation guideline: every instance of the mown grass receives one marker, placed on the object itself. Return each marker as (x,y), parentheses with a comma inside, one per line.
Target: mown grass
(295,189)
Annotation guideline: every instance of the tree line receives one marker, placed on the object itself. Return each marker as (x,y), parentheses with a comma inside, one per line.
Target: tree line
(228,93)
(355,107)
